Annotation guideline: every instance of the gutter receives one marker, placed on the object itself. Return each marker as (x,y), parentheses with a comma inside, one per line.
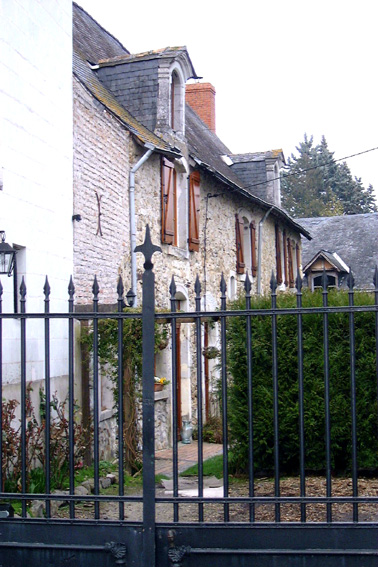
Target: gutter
(259,250)
(132,173)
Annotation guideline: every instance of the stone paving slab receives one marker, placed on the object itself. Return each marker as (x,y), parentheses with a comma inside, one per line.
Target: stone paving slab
(187,457)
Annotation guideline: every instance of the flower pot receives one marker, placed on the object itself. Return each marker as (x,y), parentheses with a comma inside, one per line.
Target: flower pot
(158,387)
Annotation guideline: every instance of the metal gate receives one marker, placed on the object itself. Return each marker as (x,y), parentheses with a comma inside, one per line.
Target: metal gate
(225,539)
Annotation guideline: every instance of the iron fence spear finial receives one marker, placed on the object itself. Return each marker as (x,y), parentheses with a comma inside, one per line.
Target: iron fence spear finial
(147,249)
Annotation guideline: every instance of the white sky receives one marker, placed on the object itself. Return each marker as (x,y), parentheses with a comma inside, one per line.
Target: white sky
(280,67)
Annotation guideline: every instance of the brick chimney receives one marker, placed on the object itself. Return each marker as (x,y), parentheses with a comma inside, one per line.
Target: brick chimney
(201,97)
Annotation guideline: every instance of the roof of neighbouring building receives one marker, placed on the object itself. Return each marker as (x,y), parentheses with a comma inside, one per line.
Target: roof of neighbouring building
(91,38)
(352,237)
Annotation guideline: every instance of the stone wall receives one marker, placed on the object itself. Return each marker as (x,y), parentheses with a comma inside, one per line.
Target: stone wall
(101,177)
(104,154)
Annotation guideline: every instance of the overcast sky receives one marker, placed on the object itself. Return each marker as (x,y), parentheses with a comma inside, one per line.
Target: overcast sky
(280,68)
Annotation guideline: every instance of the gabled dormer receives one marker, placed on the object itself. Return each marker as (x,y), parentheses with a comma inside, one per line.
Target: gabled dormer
(260,173)
(151,86)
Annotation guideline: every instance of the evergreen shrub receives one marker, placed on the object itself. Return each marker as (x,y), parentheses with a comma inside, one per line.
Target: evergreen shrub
(314,399)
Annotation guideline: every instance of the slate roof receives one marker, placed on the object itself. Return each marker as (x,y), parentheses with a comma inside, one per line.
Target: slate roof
(207,150)
(83,72)
(353,237)
(94,44)
(91,38)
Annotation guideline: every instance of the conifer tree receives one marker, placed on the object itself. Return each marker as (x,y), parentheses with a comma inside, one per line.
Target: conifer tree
(315,184)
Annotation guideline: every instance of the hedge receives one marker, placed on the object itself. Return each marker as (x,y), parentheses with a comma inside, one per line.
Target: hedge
(313,368)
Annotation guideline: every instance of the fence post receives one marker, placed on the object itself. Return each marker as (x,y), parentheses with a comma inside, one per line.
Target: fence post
(148,344)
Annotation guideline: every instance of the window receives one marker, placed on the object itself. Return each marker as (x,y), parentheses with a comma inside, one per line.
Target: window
(317,282)
(176,102)
(168,203)
(194,209)
(246,258)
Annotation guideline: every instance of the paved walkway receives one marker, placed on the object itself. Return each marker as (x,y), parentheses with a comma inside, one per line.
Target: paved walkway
(187,457)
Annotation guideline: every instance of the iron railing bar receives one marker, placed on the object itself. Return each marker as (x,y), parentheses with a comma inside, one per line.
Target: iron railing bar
(326,399)
(251,479)
(174,401)
(376,331)
(275,401)
(224,398)
(286,552)
(192,315)
(185,499)
(1,388)
(301,402)
(71,383)
(148,355)
(275,499)
(96,463)
(121,486)
(199,396)
(353,402)
(47,397)
(23,394)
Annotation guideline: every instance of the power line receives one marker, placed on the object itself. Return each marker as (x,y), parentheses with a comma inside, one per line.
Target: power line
(310,168)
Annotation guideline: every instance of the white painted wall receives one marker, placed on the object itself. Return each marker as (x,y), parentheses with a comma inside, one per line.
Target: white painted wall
(36,200)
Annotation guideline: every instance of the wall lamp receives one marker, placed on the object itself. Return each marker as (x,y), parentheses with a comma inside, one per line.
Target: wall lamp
(7,256)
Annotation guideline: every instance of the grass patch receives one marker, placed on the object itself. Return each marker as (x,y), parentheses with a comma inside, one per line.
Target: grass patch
(211,467)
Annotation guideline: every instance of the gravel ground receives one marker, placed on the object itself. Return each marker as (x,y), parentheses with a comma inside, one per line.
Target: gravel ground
(188,512)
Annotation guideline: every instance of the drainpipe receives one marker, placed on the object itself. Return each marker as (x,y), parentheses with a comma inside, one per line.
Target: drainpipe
(259,250)
(133,224)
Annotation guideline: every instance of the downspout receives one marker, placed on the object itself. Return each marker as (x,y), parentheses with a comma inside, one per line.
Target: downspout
(259,250)
(133,223)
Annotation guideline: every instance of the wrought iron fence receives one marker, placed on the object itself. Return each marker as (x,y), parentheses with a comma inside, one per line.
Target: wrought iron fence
(230,508)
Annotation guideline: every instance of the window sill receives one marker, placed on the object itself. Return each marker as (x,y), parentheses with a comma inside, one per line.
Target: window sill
(182,253)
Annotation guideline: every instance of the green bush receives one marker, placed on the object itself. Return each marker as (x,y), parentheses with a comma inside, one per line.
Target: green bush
(313,368)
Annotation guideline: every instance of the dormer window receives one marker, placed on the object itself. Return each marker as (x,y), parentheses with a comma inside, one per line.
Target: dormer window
(177,97)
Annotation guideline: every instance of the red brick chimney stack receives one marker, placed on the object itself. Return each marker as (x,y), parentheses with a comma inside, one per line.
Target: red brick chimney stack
(201,97)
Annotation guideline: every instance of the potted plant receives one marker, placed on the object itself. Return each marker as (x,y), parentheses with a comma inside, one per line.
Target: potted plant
(210,352)
(159,383)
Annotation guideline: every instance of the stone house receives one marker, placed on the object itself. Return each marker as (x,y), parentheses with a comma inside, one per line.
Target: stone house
(146,151)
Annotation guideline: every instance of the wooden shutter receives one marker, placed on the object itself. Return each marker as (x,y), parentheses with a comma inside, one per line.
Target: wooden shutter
(298,256)
(168,202)
(252,229)
(194,210)
(239,228)
(290,256)
(278,256)
(285,258)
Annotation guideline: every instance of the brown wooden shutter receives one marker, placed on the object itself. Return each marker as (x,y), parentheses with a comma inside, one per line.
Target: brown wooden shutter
(278,256)
(252,229)
(285,258)
(194,210)
(168,202)
(290,256)
(298,256)
(239,228)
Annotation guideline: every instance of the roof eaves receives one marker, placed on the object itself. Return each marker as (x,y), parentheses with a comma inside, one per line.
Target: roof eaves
(280,213)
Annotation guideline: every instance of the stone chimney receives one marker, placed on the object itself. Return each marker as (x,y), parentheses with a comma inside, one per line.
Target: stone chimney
(201,98)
